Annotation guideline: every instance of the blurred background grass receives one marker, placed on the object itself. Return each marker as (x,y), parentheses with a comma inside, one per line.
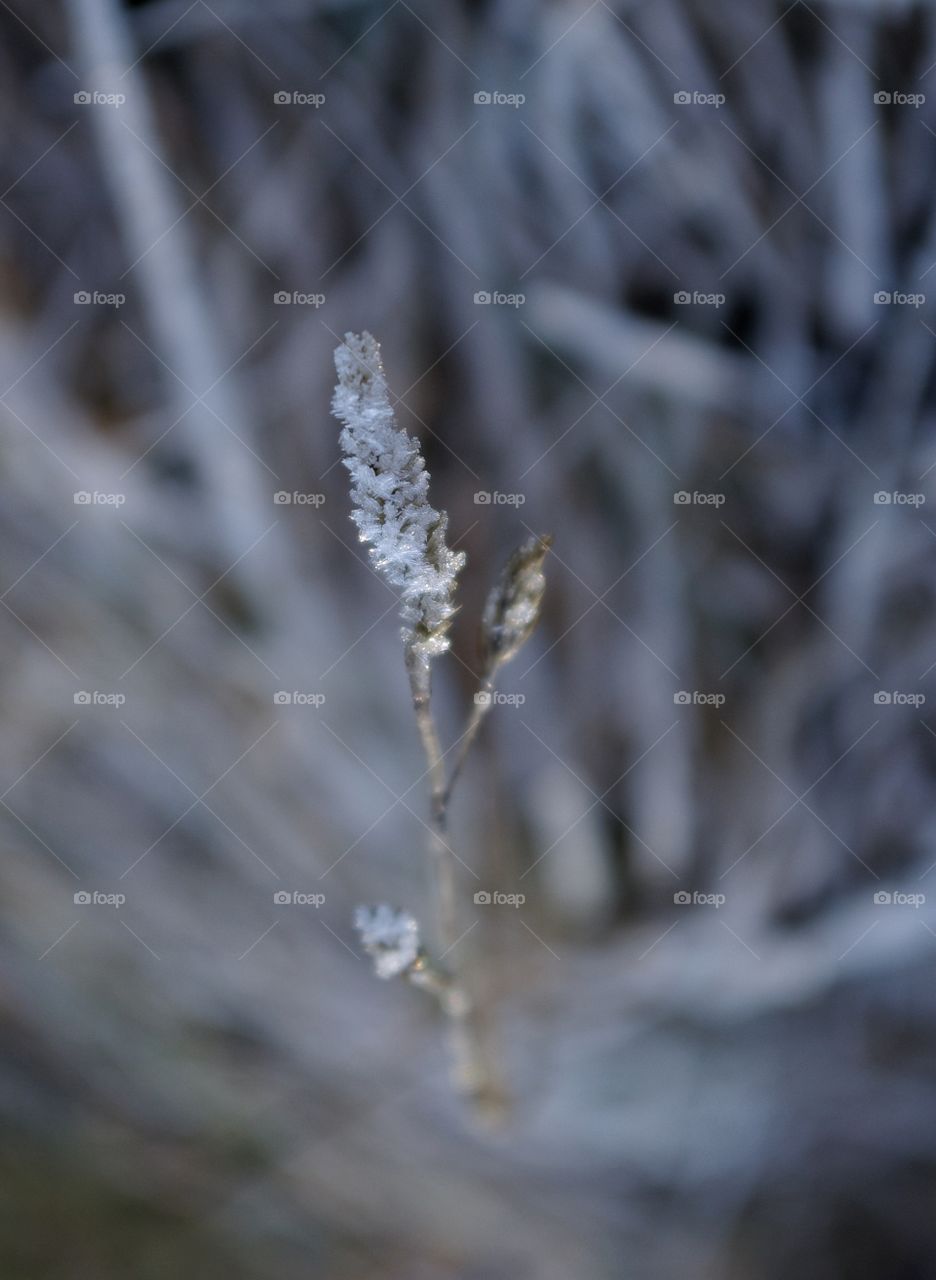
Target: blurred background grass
(688,215)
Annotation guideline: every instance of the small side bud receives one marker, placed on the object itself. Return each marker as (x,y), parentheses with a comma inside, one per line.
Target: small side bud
(390,938)
(513,606)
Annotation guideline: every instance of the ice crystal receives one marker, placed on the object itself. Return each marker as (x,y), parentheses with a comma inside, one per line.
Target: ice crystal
(390,937)
(390,496)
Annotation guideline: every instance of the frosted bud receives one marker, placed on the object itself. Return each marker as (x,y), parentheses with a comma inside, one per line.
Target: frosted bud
(513,606)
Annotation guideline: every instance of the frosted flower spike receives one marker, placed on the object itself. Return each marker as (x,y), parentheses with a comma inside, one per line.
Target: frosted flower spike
(407,536)
(390,497)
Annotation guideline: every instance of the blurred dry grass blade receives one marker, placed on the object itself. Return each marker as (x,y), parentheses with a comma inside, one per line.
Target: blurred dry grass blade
(674,305)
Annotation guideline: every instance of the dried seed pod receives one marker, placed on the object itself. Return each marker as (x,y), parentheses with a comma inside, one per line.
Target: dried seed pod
(512,609)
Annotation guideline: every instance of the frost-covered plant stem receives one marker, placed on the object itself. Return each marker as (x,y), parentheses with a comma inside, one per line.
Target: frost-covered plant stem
(407,536)
(421,690)
(472,1071)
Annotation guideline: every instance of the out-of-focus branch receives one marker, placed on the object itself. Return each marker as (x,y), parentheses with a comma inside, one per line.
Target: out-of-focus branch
(162,258)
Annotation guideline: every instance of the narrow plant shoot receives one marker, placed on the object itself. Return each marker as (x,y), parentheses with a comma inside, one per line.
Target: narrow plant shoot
(509,618)
(407,537)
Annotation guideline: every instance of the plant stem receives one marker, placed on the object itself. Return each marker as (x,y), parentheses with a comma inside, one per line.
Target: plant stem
(482,705)
(471,1070)
(418,670)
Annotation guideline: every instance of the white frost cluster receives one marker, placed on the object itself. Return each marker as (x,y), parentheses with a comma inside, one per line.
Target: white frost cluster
(390,493)
(390,938)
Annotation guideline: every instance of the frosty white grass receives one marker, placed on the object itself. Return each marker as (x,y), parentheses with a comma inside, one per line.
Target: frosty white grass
(390,496)
(407,537)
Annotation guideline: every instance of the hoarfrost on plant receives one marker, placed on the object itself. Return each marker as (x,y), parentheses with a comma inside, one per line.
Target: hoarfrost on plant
(390,496)
(390,937)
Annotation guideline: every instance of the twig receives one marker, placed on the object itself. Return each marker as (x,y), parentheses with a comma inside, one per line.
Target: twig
(472,1070)
(483,701)
(389,489)
(181,329)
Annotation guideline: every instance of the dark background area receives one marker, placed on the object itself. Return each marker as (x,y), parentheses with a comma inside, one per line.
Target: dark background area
(707,368)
